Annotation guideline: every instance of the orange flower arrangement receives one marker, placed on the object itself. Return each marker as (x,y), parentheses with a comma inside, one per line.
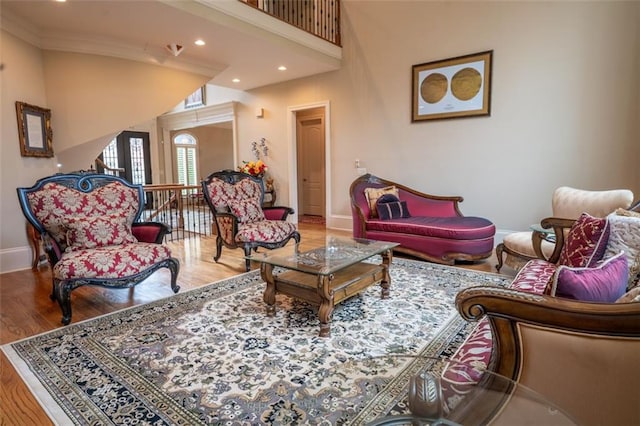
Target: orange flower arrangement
(253,168)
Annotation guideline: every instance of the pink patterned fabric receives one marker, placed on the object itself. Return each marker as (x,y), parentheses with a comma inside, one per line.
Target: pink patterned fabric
(266,230)
(457,378)
(586,242)
(247,210)
(221,192)
(110,262)
(243,201)
(467,365)
(534,277)
(88,232)
(53,204)
(225,224)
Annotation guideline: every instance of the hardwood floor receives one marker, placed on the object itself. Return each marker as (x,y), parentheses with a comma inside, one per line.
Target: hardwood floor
(26,309)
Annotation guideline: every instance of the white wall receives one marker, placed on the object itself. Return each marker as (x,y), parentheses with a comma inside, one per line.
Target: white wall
(22,79)
(565,103)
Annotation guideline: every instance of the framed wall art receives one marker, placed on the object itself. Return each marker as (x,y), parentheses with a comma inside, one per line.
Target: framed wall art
(452,88)
(34,130)
(195,99)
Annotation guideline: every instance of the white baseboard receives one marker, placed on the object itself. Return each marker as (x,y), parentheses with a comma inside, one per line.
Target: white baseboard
(340,223)
(15,259)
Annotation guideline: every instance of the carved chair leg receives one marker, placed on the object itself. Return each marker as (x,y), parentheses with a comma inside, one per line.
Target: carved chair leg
(499,251)
(63,295)
(218,248)
(174,267)
(296,237)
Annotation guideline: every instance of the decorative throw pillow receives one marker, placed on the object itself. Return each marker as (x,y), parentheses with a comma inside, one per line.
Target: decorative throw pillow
(247,210)
(372,195)
(89,232)
(389,206)
(625,236)
(586,242)
(605,283)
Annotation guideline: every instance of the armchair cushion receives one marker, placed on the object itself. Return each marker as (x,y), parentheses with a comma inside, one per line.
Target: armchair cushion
(605,283)
(625,236)
(264,231)
(372,195)
(247,210)
(88,232)
(586,242)
(110,261)
(459,228)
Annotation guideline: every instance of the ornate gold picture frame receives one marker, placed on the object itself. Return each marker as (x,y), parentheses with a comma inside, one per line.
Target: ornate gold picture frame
(34,130)
(452,88)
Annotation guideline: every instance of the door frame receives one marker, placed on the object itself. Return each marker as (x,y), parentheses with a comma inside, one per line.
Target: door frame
(293,156)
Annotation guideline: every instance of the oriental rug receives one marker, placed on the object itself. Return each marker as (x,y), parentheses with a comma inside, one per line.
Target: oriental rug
(212,356)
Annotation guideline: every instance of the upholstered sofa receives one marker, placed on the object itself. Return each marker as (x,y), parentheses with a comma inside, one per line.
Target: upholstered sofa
(428,226)
(568,327)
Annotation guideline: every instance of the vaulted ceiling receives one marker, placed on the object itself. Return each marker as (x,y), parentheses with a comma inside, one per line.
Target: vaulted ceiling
(241,42)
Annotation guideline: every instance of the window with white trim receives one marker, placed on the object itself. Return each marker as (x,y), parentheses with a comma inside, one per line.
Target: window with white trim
(186,147)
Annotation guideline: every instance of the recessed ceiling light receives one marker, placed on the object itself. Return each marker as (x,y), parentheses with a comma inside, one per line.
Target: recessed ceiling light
(236,80)
(61,1)
(282,68)
(199,42)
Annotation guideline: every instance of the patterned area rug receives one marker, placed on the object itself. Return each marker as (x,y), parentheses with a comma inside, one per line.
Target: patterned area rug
(212,356)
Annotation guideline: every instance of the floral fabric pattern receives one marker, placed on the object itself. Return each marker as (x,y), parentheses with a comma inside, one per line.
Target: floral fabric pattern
(53,204)
(110,262)
(89,232)
(266,230)
(457,379)
(221,192)
(247,210)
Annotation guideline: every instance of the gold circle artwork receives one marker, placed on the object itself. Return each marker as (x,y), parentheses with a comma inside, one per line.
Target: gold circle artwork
(433,88)
(466,83)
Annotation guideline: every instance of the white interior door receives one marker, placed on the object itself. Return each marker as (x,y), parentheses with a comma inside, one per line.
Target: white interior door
(311,162)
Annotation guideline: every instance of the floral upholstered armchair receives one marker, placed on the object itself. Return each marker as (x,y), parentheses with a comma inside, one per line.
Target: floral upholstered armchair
(236,202)
(90,230)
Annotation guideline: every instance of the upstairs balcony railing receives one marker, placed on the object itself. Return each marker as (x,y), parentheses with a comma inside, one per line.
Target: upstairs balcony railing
(318,17)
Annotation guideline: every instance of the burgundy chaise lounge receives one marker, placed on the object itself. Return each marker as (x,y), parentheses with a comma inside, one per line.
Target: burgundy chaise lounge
(435,231)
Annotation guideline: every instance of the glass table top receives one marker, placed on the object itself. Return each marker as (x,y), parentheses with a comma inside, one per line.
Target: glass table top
(431,399)
(336,254)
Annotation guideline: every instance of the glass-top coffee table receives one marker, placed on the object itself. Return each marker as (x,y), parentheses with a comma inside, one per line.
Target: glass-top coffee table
(327,275)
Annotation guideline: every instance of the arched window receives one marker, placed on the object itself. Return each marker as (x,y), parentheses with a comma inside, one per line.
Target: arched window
(186,158)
